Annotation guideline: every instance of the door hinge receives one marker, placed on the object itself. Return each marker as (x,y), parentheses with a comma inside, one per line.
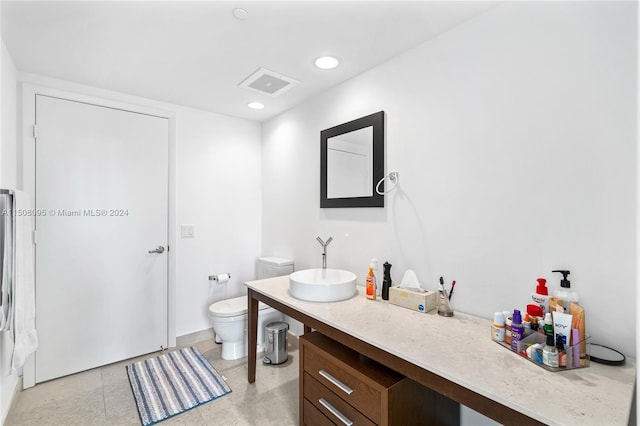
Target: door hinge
(35,131)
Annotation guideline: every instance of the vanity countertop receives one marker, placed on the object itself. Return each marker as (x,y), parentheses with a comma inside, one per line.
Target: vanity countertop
(460,350)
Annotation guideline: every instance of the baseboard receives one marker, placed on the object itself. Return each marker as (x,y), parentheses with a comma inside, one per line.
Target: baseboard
(195,337)
(199,336)
(14,399)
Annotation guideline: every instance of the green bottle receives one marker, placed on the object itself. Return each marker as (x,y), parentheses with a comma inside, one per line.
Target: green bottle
(548,325)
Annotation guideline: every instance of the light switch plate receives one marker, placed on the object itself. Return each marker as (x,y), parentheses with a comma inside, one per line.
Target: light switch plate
(187,231)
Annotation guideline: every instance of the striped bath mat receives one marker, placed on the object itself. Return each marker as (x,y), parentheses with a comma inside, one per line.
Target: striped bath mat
(173,383)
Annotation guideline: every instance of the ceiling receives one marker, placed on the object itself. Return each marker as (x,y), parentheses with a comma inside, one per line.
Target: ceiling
(195,53)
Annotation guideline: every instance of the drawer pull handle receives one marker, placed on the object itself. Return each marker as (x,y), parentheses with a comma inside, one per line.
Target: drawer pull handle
(335,412)
(346,389)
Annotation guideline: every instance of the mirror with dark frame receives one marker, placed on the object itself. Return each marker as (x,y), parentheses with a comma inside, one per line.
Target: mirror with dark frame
(352,163)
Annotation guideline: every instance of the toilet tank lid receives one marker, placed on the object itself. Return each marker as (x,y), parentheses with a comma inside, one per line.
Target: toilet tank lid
(276,261)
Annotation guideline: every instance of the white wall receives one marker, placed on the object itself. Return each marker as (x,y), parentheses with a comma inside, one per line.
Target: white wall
(8,163)
(219,169)
(514,138)
(216,188)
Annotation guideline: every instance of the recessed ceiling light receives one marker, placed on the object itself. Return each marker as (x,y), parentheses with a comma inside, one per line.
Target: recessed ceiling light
(255,105)
(326,62)
(240,13)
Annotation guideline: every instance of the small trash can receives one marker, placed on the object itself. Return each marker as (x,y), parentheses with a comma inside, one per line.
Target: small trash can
(276,348)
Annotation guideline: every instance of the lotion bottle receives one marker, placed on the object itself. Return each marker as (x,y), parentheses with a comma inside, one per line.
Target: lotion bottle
(541,296)
(371,285)
(564,293)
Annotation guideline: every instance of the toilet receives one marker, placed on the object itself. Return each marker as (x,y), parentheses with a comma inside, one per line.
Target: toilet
(229,316)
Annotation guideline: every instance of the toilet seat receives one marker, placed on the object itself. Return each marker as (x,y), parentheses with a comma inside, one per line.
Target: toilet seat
(232,307)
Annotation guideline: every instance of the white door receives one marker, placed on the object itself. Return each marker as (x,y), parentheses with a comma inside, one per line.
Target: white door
(101,206)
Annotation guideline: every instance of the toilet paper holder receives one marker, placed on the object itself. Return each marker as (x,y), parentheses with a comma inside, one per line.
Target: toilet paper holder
(216,277)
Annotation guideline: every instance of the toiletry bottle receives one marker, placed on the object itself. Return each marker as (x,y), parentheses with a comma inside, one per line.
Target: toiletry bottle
(526,322)
(371,285)
(548,324)
(564,293)
(517,331)
(507,331)
(386,283)
(562,355)
(498,329)
(550,353)
(507,327)
(541,296)
(537,317)
(376,274)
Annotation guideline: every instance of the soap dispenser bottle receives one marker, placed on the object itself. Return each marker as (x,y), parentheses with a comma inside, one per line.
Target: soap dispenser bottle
(564,293)
(376,275)
(386,283)
(371,285)
(541,296)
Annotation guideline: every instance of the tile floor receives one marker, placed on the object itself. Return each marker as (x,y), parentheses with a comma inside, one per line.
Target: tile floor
(102,396)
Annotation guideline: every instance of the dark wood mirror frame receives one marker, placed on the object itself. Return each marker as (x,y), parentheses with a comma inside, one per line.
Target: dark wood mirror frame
(376,121)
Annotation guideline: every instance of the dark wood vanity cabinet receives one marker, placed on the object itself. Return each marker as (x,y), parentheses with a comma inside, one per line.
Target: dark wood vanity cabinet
(339,386)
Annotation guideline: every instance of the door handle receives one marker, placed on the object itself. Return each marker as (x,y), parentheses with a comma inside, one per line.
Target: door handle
(159,249)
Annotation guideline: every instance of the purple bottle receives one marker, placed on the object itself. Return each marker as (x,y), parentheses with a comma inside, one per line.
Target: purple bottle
(517,331)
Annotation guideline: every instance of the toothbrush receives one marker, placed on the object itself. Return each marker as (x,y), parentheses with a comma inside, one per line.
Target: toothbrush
(442,289)
(453,284)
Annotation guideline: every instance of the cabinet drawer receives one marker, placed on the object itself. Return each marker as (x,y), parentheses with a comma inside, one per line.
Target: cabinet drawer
(343,382)
(358,380)
(331,405)
(312,416)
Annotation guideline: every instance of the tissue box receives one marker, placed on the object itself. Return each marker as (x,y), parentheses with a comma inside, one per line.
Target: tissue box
(421,302)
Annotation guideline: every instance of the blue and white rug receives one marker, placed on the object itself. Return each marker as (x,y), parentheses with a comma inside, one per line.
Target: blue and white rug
(173,383)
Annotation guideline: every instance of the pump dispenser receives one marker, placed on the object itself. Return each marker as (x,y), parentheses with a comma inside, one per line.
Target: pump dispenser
(564,293)
(370,288)
(541,296)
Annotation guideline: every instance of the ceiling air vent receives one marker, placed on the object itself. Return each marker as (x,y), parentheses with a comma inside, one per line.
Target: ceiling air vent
(269,82)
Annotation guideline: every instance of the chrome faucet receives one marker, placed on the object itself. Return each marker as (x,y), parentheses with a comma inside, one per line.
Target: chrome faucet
(324,250)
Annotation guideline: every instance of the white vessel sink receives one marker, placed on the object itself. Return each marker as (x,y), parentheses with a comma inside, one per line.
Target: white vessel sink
(322,285)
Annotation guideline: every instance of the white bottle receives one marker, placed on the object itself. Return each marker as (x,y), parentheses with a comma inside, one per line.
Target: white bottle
(498,328)
(564,293)
(541,296)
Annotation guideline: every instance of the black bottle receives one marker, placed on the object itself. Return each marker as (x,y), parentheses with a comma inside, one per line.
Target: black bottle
(386,282)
